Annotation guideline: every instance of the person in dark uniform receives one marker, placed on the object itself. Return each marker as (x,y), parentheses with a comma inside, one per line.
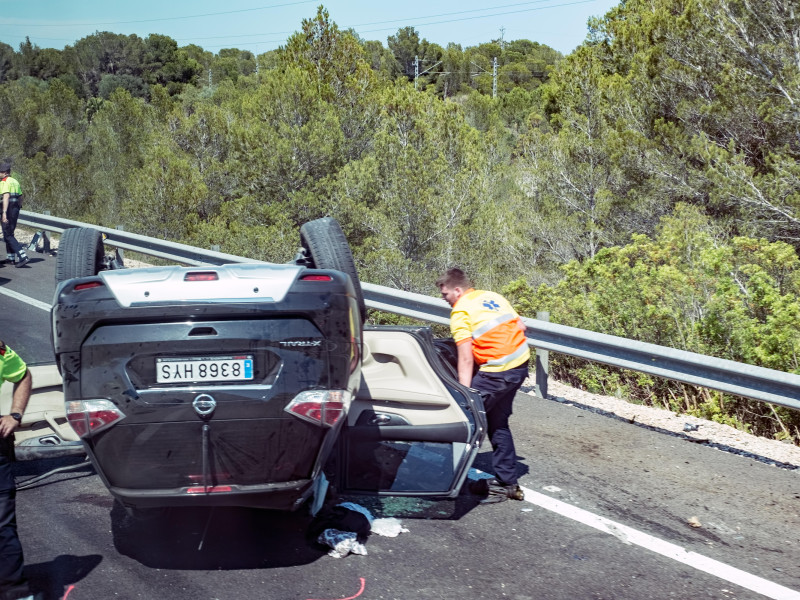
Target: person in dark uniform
(489,334)
(13,585)
(11,195)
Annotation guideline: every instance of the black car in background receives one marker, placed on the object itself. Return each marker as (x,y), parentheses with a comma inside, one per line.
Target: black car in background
(252,384)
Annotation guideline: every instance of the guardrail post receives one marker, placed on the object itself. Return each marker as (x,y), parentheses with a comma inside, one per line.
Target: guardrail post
(120,253)
(542,362)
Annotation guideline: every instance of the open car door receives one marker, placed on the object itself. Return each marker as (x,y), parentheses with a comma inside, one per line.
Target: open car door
(412,429)
(44,432)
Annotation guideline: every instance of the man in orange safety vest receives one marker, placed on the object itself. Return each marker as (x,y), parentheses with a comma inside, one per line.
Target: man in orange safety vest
(489,335)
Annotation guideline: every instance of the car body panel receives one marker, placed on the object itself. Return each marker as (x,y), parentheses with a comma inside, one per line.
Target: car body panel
(128,337)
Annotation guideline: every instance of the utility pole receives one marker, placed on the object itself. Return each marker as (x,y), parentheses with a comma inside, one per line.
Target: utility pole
(416,70)
(494,77)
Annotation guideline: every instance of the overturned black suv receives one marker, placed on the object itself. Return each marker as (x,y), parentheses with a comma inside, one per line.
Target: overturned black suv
(252,384)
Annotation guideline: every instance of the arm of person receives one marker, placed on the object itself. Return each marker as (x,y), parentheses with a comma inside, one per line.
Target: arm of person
(19,402)
(6,198)
(466,362)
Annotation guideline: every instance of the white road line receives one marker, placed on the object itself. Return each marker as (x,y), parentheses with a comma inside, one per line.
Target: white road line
(628,535)
(25,299)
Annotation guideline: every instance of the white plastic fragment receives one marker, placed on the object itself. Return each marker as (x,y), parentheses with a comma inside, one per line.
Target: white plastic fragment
(388,527)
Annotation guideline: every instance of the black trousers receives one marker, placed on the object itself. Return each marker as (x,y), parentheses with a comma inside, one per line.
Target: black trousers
(11,559)
(12,214)
(498,391)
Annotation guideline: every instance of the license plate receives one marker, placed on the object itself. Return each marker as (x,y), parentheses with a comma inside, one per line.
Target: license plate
(204,368)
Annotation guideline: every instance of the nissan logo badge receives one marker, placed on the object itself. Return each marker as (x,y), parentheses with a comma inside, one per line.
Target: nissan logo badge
(204,405)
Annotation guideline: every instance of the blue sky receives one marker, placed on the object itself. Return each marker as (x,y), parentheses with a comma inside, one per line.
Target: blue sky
(261,25)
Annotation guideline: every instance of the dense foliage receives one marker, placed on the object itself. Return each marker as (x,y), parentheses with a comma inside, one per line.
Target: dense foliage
(646,185)
(685,288)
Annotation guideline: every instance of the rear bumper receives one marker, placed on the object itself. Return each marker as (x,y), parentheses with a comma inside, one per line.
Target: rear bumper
(287,496)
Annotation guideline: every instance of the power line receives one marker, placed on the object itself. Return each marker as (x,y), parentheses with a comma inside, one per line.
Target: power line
(460,12)
(214,14)
(283,5)
(500,14)
(403,20)
(456,20)
(287,33)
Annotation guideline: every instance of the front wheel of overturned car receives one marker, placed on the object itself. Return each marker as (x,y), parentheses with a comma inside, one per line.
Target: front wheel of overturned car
(80,253)
(327,247)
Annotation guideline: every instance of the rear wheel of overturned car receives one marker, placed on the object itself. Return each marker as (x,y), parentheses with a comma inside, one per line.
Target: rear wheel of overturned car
(80,253)
(327,248)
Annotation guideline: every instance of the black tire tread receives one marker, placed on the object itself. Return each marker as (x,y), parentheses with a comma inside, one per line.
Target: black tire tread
(80,253)
(328,249)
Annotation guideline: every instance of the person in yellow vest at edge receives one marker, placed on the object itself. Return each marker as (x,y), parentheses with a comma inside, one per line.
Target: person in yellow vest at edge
(11,194)
(490,334)
(13,585)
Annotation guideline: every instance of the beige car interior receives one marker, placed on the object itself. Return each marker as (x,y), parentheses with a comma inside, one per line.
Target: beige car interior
(397,378)
(45,413)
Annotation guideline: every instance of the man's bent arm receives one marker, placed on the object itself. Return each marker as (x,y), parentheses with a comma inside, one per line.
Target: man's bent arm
(466,362)
(19,402)
(22,393)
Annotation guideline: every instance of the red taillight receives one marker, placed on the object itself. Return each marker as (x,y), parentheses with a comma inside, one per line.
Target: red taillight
(201,276)
(88,286)
(316,278)
(90,416)
(321,407)
(212,489)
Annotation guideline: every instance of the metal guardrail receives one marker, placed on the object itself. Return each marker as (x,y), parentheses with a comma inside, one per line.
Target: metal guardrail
(759,383)
(118,238)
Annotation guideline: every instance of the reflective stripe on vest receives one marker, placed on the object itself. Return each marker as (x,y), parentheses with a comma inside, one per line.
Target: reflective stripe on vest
(491,325)
(510,357)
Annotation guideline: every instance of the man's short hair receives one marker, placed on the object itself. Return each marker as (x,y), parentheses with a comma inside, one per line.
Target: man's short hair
(454,278)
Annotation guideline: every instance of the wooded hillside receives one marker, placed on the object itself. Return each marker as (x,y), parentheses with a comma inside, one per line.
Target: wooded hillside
(647,185)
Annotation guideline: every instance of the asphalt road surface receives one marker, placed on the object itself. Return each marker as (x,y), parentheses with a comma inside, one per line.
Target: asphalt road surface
(606,516)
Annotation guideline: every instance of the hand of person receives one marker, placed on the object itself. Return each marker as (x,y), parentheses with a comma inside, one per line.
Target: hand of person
(7,425)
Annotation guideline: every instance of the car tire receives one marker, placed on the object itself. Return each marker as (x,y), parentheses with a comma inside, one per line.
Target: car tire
(327,248)
(80,253)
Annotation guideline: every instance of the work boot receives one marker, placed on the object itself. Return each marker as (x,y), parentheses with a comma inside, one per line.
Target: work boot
(22,259)
(496,491)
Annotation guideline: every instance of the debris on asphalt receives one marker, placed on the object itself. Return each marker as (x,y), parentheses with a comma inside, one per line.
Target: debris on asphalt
(346,527)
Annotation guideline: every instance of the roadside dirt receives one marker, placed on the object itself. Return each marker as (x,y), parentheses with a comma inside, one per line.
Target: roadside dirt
(693,429)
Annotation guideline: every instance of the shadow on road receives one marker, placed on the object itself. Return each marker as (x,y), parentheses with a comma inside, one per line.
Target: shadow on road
(214,538)
(52,579)
(249,538)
